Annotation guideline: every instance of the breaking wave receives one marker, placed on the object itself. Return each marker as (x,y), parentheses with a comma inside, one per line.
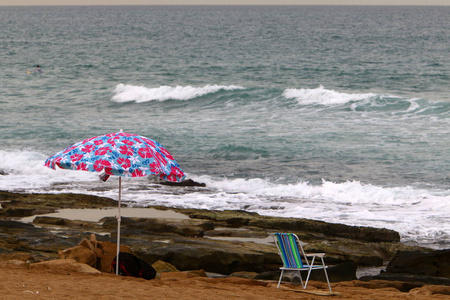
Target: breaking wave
(138,94)
(322,96)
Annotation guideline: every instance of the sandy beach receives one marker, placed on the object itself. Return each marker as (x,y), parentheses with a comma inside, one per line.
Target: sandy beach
(19,282)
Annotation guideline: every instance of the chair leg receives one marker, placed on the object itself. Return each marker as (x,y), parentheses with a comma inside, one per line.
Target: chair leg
(309,271)
(301,279)
(281,276)
(307,277)
(326,275)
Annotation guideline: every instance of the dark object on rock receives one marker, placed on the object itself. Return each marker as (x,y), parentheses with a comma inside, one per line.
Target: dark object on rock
(187,182)
(131,265)
(435,263)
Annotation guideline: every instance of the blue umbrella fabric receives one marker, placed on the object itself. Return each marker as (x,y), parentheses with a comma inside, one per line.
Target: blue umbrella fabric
(119,154)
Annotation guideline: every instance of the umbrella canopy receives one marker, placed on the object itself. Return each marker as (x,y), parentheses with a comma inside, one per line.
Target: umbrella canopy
(120,154)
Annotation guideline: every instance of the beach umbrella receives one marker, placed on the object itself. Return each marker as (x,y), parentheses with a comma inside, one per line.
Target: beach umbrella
(120,154)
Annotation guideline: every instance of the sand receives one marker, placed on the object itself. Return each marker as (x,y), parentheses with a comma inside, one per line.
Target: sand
(19,282)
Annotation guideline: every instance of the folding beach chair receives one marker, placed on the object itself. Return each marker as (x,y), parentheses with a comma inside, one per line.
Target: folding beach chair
(291,252)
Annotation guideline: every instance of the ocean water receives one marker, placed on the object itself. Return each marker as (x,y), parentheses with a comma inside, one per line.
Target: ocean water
(338,114)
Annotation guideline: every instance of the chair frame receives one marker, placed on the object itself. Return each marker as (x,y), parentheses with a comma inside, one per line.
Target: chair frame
(295,259)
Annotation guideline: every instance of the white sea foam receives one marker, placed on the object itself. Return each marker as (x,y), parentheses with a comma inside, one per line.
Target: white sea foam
(419,215)
(129,93)
(26,170)
(322,96)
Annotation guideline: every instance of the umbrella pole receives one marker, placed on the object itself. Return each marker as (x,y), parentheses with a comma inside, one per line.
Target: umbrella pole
(118,227)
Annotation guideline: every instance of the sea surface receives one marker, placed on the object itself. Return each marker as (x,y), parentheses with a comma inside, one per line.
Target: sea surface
(333,113)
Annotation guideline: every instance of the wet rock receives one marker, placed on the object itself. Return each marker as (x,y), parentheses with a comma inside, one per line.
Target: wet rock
(50,221)
(19,212)
(187,182)
(183,227)
(63,222)
(63,200)
(434,263)
(11,225)
(418,267)
(315,229)
(328,229)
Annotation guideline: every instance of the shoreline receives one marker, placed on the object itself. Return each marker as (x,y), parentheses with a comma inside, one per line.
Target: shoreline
(185,237)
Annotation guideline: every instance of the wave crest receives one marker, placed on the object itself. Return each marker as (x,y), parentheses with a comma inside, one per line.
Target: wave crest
(322,96)
(130,93)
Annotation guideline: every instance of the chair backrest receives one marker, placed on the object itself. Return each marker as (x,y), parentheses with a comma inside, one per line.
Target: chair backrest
(290,249)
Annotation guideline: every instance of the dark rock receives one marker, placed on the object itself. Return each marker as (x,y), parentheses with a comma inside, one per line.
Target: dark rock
(269,275)
(183,227)
(250,233)
(244,274)
(342,272)
(187,182)
(435,263)
(363,254)
(417,268)
(237,222)
(4,173)
(411,280)
(35,201)
(10,225)
(73,224)
(376,283)
(209,255)
(329,229)
(19,212)
(50,220)
(315,229)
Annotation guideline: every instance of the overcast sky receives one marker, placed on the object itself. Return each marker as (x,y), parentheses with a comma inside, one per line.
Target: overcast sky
(225,2)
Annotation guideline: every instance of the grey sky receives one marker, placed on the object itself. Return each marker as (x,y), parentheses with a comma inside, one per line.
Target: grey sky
(225,2)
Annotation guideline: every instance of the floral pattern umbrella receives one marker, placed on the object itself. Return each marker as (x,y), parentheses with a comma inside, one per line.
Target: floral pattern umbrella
(120,154)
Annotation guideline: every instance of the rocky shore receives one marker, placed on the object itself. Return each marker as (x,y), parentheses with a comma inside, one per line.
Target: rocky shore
(220,244)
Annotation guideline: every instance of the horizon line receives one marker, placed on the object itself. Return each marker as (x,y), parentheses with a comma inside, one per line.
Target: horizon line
(50,5)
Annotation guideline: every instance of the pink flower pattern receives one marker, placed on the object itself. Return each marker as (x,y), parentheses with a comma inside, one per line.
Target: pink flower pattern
(120,154)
